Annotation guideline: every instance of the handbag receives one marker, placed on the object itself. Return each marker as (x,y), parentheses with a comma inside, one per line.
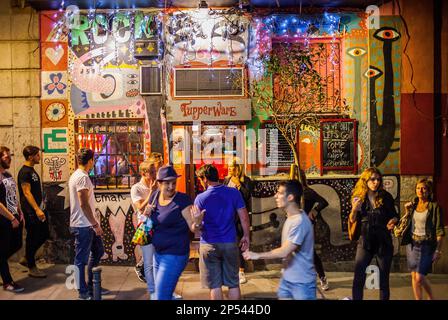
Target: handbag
(402,226)
(145,231)
(354,229)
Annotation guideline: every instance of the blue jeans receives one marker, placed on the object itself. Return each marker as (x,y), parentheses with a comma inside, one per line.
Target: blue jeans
(296,291)
(88,250)
(148,264)
(167,270)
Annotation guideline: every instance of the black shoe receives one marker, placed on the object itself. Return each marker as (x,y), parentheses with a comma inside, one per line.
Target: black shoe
(140,271)
(84,296)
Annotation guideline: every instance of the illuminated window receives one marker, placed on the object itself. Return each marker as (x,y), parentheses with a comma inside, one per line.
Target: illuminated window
(118,147)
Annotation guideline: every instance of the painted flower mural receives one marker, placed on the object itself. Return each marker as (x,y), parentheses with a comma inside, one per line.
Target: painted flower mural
(56,84)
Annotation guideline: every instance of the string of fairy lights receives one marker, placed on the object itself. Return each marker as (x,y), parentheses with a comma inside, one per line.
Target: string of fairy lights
(182,30)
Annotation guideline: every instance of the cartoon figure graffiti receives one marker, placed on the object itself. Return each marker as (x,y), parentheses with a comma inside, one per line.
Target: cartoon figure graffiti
(55,167)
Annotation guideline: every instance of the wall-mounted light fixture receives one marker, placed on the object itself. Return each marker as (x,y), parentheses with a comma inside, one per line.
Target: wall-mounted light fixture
(203,4)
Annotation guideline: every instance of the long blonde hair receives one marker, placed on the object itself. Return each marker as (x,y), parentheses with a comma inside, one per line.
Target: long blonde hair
(361,188)
(236,162)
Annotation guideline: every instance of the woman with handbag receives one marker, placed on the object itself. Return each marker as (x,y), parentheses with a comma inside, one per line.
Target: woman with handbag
(422,230)
(140,196)
(373,212)
(172,217)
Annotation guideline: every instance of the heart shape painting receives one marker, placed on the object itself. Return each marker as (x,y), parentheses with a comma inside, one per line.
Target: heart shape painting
(55,55)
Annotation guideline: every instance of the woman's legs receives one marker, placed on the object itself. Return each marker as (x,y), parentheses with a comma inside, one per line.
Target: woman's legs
(148,256)
(419,283)
(167,270)
(384,264)
(362,260)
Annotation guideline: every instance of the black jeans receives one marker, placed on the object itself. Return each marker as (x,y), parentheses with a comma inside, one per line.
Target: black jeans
(318,265)
(36,234)
(10,243)
(362,261)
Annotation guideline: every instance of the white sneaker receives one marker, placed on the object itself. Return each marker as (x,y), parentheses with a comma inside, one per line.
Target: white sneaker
(242,277)
(177,296)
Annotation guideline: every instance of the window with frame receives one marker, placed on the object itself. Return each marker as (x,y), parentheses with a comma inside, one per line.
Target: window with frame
(118,147)
(325,58)
(215,82)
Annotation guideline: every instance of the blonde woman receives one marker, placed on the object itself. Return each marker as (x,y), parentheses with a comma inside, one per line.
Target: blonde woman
(423,231)
(237,179)
(373,208)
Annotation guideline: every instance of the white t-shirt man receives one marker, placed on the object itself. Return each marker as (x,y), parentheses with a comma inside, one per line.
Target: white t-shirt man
(80,180)
(298,229)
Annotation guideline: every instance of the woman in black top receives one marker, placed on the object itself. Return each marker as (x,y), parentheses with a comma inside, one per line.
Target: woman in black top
(313,205)
(374,210)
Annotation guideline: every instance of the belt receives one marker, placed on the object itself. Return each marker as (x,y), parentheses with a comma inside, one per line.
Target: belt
(419,239)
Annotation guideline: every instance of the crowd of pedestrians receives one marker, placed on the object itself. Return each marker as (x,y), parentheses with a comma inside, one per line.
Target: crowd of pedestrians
(221,216)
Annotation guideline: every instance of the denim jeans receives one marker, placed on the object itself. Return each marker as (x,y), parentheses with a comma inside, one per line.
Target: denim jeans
(88,250)
(296,291)
(167,270)
(362,261)
(148,264)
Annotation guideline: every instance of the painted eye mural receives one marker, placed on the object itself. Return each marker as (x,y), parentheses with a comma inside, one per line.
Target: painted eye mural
(373,72)
(356,52)
(55,111)
(387,34)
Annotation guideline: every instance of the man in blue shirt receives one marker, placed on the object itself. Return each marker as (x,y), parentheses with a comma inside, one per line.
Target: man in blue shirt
(298,281)
(218,247)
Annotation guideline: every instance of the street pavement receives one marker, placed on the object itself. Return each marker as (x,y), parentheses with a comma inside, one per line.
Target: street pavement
(124,285)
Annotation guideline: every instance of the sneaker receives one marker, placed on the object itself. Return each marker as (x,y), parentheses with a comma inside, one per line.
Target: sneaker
(140,273)
(242,277)
(324,284)
(85,296)
(177,296)
(13,287)
(23,262)
(36,273)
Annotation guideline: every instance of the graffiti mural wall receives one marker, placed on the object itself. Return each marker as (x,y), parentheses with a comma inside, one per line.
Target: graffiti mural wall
(331,236)
(384,94)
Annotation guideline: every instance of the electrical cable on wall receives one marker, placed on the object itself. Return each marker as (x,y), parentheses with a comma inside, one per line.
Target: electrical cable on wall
(414,91)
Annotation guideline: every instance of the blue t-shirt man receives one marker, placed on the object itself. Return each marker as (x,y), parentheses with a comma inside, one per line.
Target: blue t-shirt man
(221,205)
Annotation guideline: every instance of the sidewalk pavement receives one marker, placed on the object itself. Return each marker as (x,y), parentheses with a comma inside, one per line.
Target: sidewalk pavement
(124,285)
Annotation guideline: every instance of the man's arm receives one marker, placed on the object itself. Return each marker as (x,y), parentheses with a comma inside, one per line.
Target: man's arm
(244,218)
(5,212)
(287,248)
(26,188)
(83,196)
